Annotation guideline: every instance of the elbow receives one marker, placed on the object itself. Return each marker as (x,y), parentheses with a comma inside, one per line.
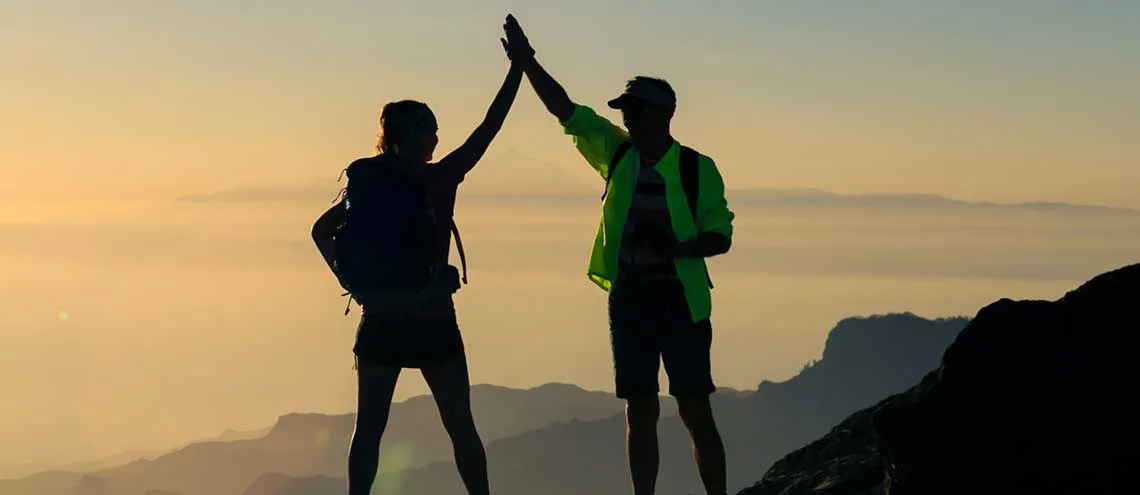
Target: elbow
(722,245)
(717,243)
(563,111)
(490,126)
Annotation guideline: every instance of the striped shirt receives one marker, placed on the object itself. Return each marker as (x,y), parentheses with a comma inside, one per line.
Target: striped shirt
(646,226)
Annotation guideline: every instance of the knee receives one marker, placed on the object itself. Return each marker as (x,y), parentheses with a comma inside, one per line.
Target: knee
(460,426)
(642,413)
(697,415)
(369,428)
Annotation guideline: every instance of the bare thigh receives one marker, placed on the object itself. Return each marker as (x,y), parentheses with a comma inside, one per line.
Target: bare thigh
(451,388)
(376,384)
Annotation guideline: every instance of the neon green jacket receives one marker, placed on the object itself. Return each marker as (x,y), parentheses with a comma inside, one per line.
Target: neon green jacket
(597,139)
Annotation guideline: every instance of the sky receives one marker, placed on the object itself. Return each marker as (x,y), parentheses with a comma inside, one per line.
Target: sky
(131,318)
(988,100)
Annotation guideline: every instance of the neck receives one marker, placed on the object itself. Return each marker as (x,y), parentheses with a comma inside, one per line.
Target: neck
(656,147)
(407,157)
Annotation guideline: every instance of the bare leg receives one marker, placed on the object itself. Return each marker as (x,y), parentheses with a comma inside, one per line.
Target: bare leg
(696,413)
(375,386)
(451,388)
(641,415)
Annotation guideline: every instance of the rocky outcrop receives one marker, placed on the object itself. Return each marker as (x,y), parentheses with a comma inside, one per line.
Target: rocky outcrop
(1033,397)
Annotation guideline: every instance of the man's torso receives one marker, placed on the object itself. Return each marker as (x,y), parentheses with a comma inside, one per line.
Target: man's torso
(648,229)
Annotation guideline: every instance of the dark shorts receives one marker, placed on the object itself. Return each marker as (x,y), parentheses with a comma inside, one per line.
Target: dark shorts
(650,323)
(407,342)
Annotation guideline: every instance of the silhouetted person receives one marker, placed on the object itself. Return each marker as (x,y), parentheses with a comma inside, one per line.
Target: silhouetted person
(408,314)
(649,254)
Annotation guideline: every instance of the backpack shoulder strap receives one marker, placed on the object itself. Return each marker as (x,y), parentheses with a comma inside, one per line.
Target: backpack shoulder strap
(691,177)
(459,247)
(691,183)
(622,149)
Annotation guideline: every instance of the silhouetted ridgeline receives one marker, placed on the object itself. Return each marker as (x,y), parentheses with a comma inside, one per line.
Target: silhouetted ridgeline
(1034,397)
(865,358)
(280,484)
(541,439)
(306,445)
(322,193)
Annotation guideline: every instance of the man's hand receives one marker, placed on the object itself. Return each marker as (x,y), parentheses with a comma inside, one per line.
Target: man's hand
(553,96)
(516,44)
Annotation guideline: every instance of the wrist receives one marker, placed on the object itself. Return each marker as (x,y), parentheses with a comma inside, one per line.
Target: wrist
(684,249)
(522,60)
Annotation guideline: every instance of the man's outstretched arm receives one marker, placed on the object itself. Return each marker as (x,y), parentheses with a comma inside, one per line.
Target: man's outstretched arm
(595,137)
(552,94)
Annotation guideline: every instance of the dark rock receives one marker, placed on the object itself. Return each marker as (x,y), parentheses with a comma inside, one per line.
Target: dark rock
(1033,397)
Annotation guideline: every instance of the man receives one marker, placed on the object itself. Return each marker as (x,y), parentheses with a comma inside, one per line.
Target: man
(649,255)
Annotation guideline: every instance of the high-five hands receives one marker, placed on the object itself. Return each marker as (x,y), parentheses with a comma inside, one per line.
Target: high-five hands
(515,44)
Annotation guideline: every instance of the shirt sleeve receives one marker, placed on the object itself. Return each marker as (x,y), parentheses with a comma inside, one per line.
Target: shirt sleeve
(712,209)
(595,137)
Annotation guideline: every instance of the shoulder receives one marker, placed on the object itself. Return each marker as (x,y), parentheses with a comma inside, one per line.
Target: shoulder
(703,160)
(364,160)
(587,119)
(443,174)
(581,112)
(359,165)
(708,173)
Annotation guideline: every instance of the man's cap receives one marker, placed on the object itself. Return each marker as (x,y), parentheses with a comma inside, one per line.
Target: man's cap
(645,90)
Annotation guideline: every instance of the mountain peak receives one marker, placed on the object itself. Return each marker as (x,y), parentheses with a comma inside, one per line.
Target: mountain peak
(307,424)
(871,337)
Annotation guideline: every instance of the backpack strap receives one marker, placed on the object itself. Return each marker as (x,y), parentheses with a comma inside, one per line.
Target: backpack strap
(459,247)
(691,177)
(420,181)
(691,183)
(622,149)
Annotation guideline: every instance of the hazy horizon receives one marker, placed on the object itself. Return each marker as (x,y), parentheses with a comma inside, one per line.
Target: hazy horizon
(132,318)
(162,326)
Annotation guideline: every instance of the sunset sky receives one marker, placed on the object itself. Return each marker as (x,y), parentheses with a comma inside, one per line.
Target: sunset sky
(986,100)
(131,318)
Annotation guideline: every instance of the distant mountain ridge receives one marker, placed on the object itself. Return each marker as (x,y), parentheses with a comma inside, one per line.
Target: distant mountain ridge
(311,444)
(117,460)
(865,359)
(791,197)
(544,437)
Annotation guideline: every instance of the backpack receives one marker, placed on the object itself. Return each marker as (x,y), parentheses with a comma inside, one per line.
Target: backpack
(387,241)
(690,176)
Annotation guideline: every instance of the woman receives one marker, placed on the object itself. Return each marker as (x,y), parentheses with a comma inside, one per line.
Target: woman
(423,335)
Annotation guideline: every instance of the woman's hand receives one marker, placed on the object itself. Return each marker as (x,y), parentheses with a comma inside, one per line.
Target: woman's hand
(516,44)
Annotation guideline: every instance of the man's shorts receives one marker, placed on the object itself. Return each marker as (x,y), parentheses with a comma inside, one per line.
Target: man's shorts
(650,323)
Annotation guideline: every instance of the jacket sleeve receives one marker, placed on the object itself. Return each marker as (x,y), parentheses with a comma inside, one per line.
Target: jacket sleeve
(713,212)
(595,137)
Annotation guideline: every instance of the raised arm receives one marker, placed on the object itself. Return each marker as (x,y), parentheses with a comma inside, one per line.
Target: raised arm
(595,137)
(464,158)
(551,93)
